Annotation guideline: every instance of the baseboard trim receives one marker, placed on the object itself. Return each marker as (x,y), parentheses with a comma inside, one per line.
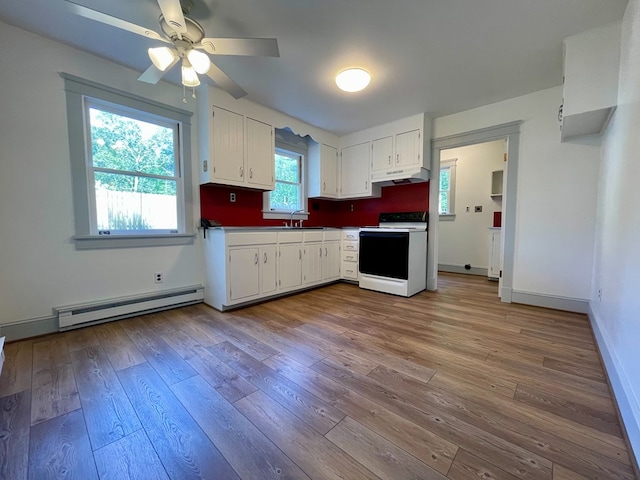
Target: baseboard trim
(444,267)
(32,327)
(549,301)
(626,401)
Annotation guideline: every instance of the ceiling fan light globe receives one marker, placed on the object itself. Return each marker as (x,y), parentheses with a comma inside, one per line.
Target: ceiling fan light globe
(189,77)
(353,79)
(199,61)
(162,57)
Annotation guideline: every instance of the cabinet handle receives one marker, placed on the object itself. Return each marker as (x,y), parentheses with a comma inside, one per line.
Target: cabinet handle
(299,254)
(255,259)
(320,251)
(398,158)
(366,183)
(265,257)
(324,186)
(389,159)
(241,172)
(251,173)
(325,251)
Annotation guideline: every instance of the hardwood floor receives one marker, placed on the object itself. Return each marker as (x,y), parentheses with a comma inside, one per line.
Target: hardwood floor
(334,383)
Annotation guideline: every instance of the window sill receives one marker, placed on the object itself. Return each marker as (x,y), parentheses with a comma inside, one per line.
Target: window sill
(95,242)
(271,215)
(447,217)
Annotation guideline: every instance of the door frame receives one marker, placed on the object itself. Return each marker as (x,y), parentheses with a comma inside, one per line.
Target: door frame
(510,132)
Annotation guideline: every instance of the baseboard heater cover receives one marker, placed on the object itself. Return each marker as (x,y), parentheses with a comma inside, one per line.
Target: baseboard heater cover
(76,316)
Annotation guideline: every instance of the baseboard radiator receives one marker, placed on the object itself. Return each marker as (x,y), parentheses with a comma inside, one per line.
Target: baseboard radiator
(76,316)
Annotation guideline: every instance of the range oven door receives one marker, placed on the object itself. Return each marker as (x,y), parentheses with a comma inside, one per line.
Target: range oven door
(384,253)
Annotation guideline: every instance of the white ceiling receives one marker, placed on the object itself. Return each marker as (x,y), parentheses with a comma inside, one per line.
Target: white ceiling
(435,56)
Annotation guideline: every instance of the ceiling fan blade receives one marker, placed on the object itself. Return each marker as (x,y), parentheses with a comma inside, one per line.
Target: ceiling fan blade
(114,21)
(257,47)
(172,13)
(153,74)
(224,82)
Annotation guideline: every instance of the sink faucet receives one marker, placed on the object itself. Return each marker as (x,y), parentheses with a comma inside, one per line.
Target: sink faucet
(291,218)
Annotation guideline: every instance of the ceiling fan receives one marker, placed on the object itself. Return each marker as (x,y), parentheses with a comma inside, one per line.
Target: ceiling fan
(186,39)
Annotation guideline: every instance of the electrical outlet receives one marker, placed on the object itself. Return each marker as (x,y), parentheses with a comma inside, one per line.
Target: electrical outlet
(232,197)
(159,277)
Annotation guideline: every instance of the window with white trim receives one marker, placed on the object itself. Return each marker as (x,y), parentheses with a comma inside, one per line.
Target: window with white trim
(446,204)
(130,165)
(288,193)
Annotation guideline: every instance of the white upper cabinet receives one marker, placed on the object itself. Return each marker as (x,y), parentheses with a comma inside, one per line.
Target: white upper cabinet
(355,172)
(381,154)
(260,154)
(241,151)
(323,171)
(591,64)
(400,150)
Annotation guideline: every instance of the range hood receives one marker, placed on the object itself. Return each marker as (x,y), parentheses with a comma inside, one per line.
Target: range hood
(400,176)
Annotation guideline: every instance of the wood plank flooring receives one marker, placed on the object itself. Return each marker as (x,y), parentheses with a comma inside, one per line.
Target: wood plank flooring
(334,383)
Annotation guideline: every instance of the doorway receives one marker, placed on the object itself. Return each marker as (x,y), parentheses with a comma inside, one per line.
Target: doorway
(509,132)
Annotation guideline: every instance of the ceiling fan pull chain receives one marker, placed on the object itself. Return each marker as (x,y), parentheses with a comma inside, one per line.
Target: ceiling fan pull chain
(193,92)
(184,94)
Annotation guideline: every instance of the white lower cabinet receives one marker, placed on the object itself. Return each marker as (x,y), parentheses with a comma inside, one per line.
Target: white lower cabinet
(246,265)
(349,258)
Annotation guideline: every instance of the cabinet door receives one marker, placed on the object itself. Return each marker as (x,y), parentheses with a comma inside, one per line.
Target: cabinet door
(494,254)
(290,266)
(268,266)
(227,146)
(408,150)
(244,277)
(312,262)
(382,154)
(331,261)
(260,154)
(355,170)
(329,170)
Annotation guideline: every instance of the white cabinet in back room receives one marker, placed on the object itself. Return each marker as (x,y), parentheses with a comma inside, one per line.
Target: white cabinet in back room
(495,252)
(241,151)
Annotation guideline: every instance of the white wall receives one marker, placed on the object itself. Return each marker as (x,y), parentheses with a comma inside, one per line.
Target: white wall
(464,239)
(39,266)
(617,261)
(555,211)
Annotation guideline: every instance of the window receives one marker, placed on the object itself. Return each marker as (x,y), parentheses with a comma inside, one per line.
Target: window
(130,164)
(447,187)
(287,196)
(133,170)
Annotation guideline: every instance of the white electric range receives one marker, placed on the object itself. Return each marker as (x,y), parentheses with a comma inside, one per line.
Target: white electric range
(393,255)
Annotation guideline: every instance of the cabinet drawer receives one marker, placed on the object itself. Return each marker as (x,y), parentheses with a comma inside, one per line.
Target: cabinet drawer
(251,238)
(350,257)
(349,270)
(350,246)
(350,235)
(313,236)
(332,234)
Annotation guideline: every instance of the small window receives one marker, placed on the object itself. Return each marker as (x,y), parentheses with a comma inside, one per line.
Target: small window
(288,193)
(133,171)
(447,187)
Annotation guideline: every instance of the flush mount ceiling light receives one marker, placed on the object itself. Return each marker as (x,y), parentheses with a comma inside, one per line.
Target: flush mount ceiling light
(353,79)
